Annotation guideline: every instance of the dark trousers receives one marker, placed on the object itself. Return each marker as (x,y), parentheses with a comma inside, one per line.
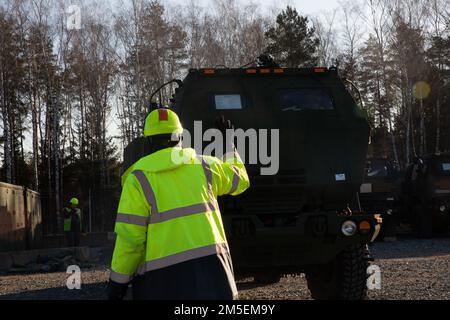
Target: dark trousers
(199,279)
(73,237)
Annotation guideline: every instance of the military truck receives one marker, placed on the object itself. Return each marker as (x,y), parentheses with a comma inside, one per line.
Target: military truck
(305,218)
(380,193)
(426,195)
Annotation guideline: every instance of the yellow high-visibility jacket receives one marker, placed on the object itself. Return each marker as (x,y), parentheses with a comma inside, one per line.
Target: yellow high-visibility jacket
(168,211)
(68,218)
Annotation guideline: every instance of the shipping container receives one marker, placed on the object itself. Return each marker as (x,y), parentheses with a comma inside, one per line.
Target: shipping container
(20,218)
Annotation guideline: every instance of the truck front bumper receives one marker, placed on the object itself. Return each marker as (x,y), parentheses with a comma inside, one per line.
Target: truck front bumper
(314,238)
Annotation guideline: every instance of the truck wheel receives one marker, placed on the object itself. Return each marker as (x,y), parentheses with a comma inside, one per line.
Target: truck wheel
(345,278)
(267,278)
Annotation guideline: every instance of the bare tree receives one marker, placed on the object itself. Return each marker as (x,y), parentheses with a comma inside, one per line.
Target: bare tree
(352,34)
(378,19)
(325,29)
(438,10)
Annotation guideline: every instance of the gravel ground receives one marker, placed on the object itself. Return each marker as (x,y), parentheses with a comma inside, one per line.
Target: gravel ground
(411,269)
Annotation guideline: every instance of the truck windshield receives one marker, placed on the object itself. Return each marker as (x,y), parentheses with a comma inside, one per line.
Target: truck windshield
(304,99)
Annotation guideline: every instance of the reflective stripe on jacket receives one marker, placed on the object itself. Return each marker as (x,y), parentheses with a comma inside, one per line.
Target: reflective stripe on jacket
(168,211)
(68,218)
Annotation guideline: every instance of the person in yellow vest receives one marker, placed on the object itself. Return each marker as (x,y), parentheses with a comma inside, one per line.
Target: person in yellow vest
(72,223)
(171,243)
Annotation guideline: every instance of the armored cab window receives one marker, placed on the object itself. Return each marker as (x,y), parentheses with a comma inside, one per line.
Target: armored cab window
(228,101)
(446,167)
(304,99)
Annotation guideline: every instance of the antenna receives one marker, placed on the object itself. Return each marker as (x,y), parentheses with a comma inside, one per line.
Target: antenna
(154,105)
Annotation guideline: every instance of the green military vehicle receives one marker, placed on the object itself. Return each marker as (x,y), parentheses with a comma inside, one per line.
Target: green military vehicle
(305,218)
(380,193)
(426,195)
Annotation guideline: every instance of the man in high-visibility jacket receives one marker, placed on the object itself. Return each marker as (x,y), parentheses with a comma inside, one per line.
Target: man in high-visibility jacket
(72,223)
(171,242)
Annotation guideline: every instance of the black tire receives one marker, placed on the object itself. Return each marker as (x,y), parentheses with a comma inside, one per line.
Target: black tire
(267,278)
(343,279)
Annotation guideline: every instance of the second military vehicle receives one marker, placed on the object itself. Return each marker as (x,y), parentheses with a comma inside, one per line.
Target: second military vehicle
(380,193)
(305,217)
(426,195)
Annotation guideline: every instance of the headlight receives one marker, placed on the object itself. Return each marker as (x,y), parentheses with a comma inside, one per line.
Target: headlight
(349,228)
(442,208)
(390,211)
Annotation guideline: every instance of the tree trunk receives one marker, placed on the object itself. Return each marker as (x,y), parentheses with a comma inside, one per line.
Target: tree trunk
(393,140)
(6,133)
(423,147)
(55,133)
(34,124)
(438,123)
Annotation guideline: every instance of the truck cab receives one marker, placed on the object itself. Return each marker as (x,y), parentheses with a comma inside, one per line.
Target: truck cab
(380,193)
(426,193)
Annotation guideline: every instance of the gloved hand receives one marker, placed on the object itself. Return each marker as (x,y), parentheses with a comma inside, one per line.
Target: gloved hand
(223,125)
(116,291)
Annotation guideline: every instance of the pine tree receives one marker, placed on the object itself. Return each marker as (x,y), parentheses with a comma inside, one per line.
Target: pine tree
(291,41)
(12,89)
